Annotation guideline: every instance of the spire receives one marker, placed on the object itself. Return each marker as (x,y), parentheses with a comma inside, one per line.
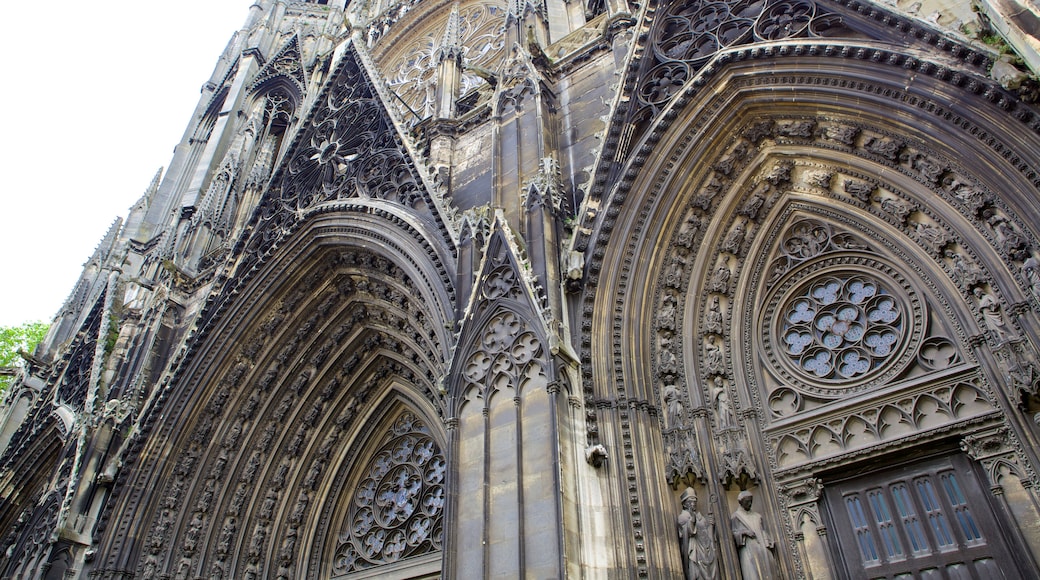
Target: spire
(153,187)
(449,74)
(451,42)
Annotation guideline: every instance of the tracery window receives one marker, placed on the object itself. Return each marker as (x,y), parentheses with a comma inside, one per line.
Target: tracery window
(841,324)
(396,510)
(841,327)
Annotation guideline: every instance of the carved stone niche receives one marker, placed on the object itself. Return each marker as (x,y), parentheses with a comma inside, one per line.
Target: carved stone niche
(683,458)
(1018,365)
(802,497)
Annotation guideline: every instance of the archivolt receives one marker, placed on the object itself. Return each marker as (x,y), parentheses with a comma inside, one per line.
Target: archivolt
(289,371)
(732,152)
(984,170)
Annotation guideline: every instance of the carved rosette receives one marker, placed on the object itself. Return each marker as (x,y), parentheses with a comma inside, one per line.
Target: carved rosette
(836,327)
(397,509)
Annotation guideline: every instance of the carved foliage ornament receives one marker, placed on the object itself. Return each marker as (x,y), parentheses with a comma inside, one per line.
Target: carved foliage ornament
(397,509)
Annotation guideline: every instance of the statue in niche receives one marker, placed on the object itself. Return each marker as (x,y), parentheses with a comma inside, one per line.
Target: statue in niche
(696,540)
(667,363)
(723,407)
(964,273)
(688,230)
(735,239)
(666,315)
(754,544)
(720,280)
(673,407)
(992,315)
(933,237)
(1007,237)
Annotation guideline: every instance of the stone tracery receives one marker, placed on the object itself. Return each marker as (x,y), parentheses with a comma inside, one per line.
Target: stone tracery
(397,509)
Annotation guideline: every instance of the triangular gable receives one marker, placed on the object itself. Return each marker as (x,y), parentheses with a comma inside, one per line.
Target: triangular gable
(503,282)
(688,41)
(346,151)
(686,37)
(287,64)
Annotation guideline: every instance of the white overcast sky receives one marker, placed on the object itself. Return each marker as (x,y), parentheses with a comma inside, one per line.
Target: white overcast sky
(95,97)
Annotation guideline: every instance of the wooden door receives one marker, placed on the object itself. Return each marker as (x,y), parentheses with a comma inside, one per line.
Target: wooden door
(926,520)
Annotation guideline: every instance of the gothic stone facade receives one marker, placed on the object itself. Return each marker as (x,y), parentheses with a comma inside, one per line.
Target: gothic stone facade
(540,289)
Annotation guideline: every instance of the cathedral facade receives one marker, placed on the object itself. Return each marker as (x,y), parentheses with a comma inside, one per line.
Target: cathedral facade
(561,289)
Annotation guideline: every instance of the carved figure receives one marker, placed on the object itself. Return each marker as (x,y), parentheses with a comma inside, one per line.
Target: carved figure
(1031,270)
(227,535)
(191,537)
(688,230)
(934,238)
(713,359)
(964,273)
(967,193)
(666,315)
(667,363)
(895,206)
(859,189)
(674,275)
(990,309)
(723,408)
(720,280)
(754,543)
(673,406)
(697,540)
(1009,239)
(713,317)
(752,206)
(735,239)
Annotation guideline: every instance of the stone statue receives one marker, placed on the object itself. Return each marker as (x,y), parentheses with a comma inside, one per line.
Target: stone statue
(696,540)
(1031,270)
(723,408)
(720,280)
(673,406)
(714,359)
(754,544)
(713,317)
(992,315)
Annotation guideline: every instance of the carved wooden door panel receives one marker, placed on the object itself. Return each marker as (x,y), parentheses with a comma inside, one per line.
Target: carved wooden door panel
(926,520)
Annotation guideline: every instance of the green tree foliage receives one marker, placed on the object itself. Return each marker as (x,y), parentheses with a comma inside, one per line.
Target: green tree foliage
(24,337)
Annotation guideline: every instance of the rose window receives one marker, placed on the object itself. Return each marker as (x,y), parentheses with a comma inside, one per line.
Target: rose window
(841,324)
(841,328)
(398,506)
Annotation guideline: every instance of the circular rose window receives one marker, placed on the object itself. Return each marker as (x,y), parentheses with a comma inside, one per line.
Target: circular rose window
(839,328)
